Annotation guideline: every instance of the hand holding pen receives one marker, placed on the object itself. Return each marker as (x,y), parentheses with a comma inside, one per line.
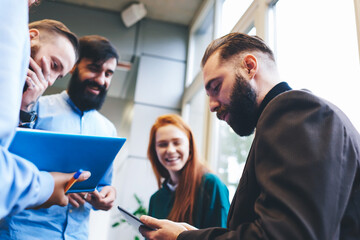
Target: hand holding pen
(61,180)
(73,180)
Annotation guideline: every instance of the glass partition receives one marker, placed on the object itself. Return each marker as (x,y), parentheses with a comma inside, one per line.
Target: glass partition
(196,118)
(201,38)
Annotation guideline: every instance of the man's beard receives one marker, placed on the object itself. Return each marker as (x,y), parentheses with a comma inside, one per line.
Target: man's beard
(243,109)
(82,99)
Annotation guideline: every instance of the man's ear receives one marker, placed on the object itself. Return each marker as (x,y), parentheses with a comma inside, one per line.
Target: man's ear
(250,64)
(34,34)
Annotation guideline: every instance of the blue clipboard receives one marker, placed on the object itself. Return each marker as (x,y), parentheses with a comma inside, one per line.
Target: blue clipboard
(62,152)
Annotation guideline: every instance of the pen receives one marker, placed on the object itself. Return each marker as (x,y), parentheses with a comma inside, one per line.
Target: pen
(73,180)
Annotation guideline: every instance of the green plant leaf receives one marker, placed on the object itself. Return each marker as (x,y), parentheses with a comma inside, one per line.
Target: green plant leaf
(116,224)
(138,199)
(141,210)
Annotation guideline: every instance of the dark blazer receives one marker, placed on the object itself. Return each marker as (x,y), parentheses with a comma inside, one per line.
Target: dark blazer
(301,178)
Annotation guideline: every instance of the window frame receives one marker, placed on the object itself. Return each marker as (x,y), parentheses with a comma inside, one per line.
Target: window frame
(357,19)
(254,16)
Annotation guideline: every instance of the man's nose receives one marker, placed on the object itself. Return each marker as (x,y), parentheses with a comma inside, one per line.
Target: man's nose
(214,104)
(100,79)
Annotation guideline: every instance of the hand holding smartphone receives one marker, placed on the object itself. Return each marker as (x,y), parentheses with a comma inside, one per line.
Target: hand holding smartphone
(133,220)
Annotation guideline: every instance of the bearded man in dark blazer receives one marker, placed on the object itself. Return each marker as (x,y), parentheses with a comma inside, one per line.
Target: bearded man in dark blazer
(301,178)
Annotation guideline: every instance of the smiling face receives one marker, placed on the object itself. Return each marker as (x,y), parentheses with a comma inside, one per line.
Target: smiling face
(89,83)
(172,149)
(231,95)
(99,75)
(58,51)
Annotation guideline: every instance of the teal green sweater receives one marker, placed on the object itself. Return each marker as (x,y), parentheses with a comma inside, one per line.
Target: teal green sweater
(211,207)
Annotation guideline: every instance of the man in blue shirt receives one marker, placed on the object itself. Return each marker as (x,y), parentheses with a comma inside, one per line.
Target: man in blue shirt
(22,184)
(73,111)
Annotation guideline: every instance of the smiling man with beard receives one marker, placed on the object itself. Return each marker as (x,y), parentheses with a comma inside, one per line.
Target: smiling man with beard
(301,177)
(74,111)
(86,94)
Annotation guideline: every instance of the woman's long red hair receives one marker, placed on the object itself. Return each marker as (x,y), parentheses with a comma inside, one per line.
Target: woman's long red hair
(191,174)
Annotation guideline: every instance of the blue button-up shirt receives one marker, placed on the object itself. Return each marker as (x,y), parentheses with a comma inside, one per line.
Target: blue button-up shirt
(21,183)
(58,113)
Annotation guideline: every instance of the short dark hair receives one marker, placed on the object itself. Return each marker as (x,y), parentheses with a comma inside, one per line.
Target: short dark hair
(234,43)
(56,27)
(97,48)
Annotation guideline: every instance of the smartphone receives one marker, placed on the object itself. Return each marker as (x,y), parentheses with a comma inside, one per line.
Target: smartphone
(26,85)
(133,220)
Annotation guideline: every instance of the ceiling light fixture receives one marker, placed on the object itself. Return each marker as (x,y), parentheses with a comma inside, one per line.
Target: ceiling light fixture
(134,13)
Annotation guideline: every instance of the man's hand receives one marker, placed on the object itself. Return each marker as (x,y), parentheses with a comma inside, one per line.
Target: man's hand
(103,200)
(58,196)
(188,226)
(76,199)
(37,80)
(165,229)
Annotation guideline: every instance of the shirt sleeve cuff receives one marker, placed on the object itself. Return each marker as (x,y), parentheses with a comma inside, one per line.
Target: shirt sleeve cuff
(47,187)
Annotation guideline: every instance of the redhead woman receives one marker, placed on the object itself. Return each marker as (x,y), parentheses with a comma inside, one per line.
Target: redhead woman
(188,192)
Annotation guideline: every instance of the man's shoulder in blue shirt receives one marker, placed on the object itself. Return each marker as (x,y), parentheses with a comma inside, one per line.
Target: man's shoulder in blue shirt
(22,184)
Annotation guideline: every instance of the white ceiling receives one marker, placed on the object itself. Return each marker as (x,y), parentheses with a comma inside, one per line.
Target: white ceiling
(174,11)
